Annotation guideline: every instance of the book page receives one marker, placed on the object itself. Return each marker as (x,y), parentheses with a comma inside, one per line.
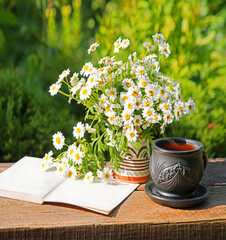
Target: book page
(95,196)
(26,176)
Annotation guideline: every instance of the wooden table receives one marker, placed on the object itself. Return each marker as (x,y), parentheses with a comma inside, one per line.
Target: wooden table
(136,218)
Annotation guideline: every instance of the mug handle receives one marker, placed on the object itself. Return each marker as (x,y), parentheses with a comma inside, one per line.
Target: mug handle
(205,158)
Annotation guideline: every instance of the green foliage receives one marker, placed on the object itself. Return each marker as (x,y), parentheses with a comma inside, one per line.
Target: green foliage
(195,31)
(28,117)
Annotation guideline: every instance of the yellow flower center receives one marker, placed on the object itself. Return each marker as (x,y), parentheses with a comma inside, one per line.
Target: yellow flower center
(84,91)
(166,107)
(112,93)
(189,106)
(86,67)
(112,118)
(168,117)
(127,127)
(151,92)
(155,117)
(70,173)
(71,151)
(108,108)
(43,165)
(58,140)
(101,69)
(91,69)
(77,156)
(93,47)
(106,175)
(180,108)
(88,178)
(92,79)
(141,72)
(137,121)
(164,48)
(127,116)
(78,130)
(130,105)
(124,98)
(131,134)
(135,93)
(102,101)
(153,65)
(54,87)
(144,83)
(147,103)
(60,169)
(47,157)
(118,45)
(137,103)
(128,84)
(162,92)
(149,112)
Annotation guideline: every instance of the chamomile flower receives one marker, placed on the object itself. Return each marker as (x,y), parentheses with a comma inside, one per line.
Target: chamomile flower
(138,103)
(107,175)
(98,108)
(158,38)
(76,88)
(90,129)
(99,173)
(127,83)
(129,105)
(134,92)
(103,101)
(146,124)
(112,93)
(165,106)
(137,120)
(143,83)
(147,103)
(168,117)
(72,173)
(89,177)
(74,79)
(123,97)
(163,93)
(141,72)
(85,93)
(85,69)
(93,47)
(78,155)
(131,135)
(164,49)
(148,46)
(58,140)
(147,113)
(64,74)
(61,169)
(71,150)
(111,117)
(48,156)
(92,80)
(190,106)
(79,130)
(127,116)
(54,88)
(156,118)
(117,45)
(64,160)
(44,165)
(125,43)
(151,92)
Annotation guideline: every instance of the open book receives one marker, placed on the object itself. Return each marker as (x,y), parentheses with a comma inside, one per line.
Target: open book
(26,181)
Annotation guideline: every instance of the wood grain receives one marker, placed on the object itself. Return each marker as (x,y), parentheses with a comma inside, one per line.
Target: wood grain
(136,218)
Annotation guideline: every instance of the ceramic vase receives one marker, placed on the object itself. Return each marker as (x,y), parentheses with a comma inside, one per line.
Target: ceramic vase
(135,165)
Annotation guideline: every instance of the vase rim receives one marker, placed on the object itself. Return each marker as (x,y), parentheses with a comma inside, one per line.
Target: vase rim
(195,143)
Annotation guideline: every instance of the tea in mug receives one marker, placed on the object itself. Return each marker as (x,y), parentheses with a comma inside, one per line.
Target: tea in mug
(173,146)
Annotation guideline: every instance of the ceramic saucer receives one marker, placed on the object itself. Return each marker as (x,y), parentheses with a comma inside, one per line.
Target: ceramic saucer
(201,194)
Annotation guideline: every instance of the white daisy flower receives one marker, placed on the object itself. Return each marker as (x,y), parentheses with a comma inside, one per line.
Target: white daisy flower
(64,74)
(148,46)
(143,83)
(125,43)
(58,140)
(61,169)
(190,106)
(64,160)
(165,106)
(141,72)
(44,165)
(163,93)
(85,93)
(89,177)
(147,103)
(147,113)
(138,103)
(137,120)
(112,118)
(129,105)
(158,38)
(72,173)
(70,151)
(90,129)
(112,93)
(126,116)
(76,88)
(103,100)
(117,45)
(107,175)
(98,108)
(168,117)
(54,88)
(78,155)
(178,114)
(146,124)
(134,92)
(93,47)
(74,79)
(127,83)
(123,97)
(79,130)
(92,80)
(164,49)
(48,156)
(85,69)
(99,173)
(110,60)
(102,72)
(156,118)
(131,135)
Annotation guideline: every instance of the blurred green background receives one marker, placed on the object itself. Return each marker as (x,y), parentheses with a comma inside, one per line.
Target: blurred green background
(39,39)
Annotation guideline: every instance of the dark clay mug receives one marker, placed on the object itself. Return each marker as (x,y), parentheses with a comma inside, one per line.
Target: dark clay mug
(177,166)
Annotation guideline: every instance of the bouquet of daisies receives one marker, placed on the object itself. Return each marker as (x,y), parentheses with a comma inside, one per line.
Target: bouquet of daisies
(126,99)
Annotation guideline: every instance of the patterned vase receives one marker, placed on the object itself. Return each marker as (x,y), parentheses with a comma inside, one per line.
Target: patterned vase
(135,165)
